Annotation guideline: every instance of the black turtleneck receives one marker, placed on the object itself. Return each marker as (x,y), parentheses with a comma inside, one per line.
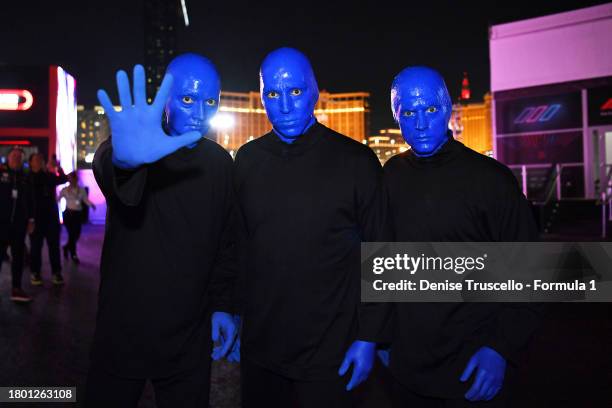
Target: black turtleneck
(167,260)
(456,195)
(306,207)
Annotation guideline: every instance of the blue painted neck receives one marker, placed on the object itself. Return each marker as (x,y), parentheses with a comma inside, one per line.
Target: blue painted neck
(290,140)
(435,151)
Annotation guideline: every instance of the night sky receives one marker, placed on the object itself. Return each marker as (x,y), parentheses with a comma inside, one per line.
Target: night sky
(352,47)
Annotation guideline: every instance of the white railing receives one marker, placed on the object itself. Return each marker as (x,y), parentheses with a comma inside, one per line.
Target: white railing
(606,201)
(557,176)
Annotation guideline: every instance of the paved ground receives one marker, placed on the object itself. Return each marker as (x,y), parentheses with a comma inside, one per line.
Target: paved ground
(46,343)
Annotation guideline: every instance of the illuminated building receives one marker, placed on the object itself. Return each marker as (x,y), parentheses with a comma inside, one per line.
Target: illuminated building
(551,79)
(465,89)
(160,21)
(242,117)
(38,112)
(387,144)
(92,129)
(471,125)
(346,113)
(160,41)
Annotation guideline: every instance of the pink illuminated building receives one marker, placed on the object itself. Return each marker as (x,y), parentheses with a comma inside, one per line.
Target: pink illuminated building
(551,81)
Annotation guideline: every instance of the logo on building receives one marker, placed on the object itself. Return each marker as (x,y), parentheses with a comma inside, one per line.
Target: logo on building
(541,113)
(607,105)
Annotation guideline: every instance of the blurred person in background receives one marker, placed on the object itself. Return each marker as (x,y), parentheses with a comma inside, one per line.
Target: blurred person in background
(76,199)
(16,217)
(44,181)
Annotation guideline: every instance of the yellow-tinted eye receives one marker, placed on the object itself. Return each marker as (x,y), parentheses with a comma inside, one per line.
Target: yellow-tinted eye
(296,92)
(409,113)
(432,109)
(272,94)
(187,99)
(211,102)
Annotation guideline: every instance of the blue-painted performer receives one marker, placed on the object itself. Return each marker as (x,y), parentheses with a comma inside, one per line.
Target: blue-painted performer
(308,196)
(167,261)
(451,354)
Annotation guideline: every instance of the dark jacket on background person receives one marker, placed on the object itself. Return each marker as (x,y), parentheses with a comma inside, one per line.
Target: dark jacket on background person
(43,186)
(457,195)
(14,211)
(167,260)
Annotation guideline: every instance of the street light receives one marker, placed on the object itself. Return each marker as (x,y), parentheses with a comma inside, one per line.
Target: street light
(222,121)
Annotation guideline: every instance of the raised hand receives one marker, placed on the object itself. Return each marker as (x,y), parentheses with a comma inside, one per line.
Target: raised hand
(490,369)
(361,356)
(137,134)
(384,356)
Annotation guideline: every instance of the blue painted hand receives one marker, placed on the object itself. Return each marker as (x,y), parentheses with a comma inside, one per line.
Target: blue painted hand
(224,331)
(384,356)
(361,356)
(490,369)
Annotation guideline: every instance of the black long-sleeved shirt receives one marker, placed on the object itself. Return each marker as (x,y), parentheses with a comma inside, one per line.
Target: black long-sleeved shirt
(43,184)
(457,195)
(16,203)
(167,259)
(306,207)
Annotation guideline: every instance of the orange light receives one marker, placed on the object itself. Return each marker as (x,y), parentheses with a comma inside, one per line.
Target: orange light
(15,99)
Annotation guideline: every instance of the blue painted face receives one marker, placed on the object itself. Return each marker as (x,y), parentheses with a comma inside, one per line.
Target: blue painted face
(194,97)
(422,107)
(289,92)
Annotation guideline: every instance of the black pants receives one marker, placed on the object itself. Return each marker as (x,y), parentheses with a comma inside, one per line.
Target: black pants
(188,389)
(72,222)
(49,230)
(403,397)
(264,388)
(15,238)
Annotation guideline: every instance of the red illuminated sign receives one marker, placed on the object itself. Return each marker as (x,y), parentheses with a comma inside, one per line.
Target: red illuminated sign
(15,99)
(15,142)
(599,105)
